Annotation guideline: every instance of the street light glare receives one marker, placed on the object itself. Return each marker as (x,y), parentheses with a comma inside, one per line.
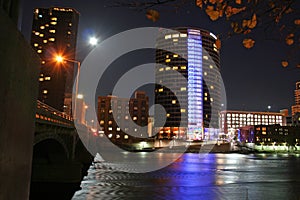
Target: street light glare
(93,41)
(59,58)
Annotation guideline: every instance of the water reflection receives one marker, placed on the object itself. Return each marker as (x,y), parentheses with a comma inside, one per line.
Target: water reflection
(215,176)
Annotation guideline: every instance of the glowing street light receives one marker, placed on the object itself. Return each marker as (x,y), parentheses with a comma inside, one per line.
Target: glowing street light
(61,59)
(93,41)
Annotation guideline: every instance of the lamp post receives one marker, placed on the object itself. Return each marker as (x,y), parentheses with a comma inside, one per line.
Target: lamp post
(61,59)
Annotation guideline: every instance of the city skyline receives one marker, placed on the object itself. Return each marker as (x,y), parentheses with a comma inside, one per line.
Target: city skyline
(253,78)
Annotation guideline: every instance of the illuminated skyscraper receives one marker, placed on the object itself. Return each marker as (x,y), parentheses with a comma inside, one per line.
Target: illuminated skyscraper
(194,54)
(296,107)
(54,31)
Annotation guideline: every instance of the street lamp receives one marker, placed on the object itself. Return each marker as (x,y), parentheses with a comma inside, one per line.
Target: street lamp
(93,41)
(61,59)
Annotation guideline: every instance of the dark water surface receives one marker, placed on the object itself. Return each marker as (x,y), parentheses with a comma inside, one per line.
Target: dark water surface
(215,176)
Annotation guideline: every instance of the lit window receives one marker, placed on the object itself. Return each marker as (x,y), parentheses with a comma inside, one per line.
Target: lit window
(36,44)
(210,66)
(102,122)
(110,122)
(182,110)
(69,32)
(45,91)
(160,90)
(125,137)
(37,33)
(52,31)
(205,57)
(183,35)
(45,41)
(126,117)
(110,135)
(183,89)
(183,67)
(40,16)
(135,129)
(161,69)
(47,25)
(205,73)
(134,118)
(42,27)
(110,128)
(41,79)
(168,114)
(175,55)
(175,35)
(175,40)
(43,62)
(205,94)
(212,87)
(118,129)
(52,39)
(39,51)
(47,78)
(168,68)
(167,56)
(211,99)
(41,35)
(173,101)
(168,60)
(54,18)
(205,98)
(53,23)
(175,68)
(167,37)
(117,136)
(70,24)
(110,111)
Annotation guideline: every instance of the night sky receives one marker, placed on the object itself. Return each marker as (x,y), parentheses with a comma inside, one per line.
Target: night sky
(253,78)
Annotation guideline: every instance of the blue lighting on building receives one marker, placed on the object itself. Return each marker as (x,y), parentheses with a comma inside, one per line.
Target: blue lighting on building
(195,89)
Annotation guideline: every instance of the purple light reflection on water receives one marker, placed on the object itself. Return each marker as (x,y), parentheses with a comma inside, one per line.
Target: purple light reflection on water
(216,176)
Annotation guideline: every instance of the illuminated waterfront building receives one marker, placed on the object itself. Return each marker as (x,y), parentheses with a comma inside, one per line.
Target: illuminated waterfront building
(194,54)
(54,31)
(232,120)
(112,109)
(296,107)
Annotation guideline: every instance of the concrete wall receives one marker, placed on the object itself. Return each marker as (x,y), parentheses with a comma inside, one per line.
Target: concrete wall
(18,92)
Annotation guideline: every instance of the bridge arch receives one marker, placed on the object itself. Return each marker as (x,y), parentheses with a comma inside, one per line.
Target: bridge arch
(52,143)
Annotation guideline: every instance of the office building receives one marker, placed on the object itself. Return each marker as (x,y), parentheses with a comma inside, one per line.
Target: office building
(54,32)
(194,103)
(114,114)
(230,121)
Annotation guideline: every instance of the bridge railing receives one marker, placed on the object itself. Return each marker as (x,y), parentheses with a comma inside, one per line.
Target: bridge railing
(51,115)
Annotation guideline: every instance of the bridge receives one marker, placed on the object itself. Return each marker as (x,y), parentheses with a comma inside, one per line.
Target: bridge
(58,153)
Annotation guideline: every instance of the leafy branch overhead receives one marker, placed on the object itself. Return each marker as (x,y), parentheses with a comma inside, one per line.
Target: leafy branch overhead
(278,19)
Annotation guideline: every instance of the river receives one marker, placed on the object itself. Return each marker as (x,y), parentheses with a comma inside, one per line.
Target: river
(214,176)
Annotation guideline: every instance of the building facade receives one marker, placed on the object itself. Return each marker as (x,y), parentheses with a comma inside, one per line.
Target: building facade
(296,107)
(114,116)
(230,120)
(194,54)
(272,137)
(54,32)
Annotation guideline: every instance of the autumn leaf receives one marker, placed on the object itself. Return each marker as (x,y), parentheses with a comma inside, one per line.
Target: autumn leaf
(238,1)
(297,21)
(213,14)
(199,3)
(248,43)
(152,15)
(232,11)
(284,63)
(289,40)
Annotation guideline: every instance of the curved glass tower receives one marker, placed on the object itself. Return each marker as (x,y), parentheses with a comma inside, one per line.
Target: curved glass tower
(194,54)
